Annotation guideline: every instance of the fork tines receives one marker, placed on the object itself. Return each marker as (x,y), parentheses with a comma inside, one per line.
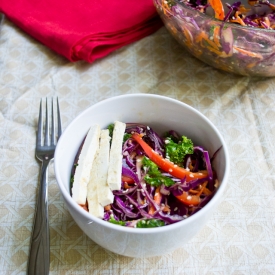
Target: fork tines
(50,137)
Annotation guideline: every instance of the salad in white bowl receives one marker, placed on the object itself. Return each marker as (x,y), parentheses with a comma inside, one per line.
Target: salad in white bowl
(130,176)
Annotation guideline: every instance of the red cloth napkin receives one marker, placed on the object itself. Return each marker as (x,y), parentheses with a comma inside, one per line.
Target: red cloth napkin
(83,29)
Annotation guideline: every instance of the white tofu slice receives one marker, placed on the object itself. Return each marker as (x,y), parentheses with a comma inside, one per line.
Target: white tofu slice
(105,195)
(83,170)
(95,208)
(115,166)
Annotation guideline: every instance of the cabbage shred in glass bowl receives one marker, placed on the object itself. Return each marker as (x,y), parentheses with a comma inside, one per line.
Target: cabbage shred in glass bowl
(242,50)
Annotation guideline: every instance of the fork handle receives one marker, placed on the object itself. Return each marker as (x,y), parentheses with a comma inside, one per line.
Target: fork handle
(39,258)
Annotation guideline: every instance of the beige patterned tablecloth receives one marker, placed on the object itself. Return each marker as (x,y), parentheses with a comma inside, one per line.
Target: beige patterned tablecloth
(240,236)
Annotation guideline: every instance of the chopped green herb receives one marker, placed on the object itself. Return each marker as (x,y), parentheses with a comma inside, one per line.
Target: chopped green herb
(114,221)
(149,223)
(111,129)
(171,3)
(176,152)
(71,181)
(126,136)
(153,175)
(211,31)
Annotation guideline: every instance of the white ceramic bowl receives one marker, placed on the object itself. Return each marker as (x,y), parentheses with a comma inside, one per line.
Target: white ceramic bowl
(162,113)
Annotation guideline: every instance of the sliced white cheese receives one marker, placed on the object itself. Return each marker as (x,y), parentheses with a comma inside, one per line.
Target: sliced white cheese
(115,166)
(105,195)
(85,162)
(95,208)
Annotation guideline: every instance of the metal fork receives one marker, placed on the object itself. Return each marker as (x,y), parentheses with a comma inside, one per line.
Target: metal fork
(39,257)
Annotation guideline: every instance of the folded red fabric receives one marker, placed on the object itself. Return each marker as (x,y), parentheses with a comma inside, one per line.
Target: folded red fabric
(83,29)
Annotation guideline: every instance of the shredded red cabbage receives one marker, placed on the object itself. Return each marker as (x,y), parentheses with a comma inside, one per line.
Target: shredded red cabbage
(133,201)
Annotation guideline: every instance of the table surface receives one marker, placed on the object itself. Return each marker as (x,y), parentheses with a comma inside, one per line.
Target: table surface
(240,236)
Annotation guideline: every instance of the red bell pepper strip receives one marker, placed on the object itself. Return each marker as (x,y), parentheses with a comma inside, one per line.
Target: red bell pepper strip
(165,164)
(127,179)
(188,199)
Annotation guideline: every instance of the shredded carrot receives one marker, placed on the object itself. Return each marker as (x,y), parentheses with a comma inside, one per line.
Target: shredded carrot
(212,44)
(188,37)
(107,207)
(252,2)
(157,199)
(166,208)
(246,52)
(84,206)
(196,52)
(238,19)
(157,196)
(206,191)
(203,37)
(202,188)
(243,9)
(216,36)
(174,30)
(193,192)
(251,65)
(217,52)
(165,7)
(126,185)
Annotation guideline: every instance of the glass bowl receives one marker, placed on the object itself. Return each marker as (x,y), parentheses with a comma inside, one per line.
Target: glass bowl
(226,46)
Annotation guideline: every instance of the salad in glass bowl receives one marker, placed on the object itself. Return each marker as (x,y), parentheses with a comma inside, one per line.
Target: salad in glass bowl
(130,176)
(237,37)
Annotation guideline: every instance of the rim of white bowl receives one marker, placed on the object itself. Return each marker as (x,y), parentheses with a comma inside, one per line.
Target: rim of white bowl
(166,228)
